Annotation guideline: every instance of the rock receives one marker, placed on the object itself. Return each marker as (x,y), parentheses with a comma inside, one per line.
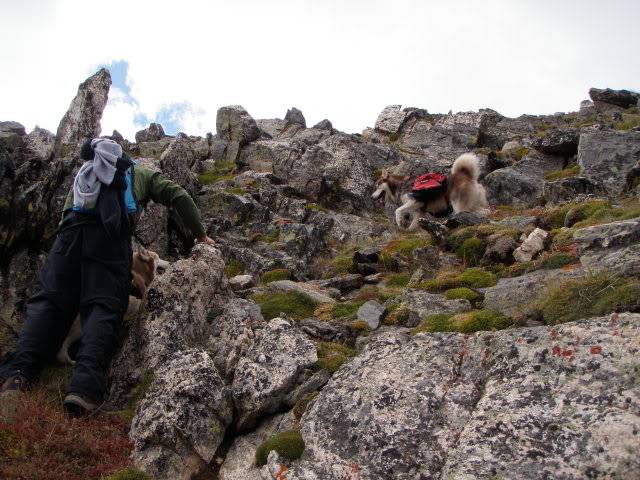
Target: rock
(391,119)
(612,246)
(367,255)
(173,318)
(12,127)
(372,313)
(428,258)
(232,333)
(324,125)
(237,127)
(586,107)
(181,421)
(40,144)
(468,406)
(151,228)
(607,157)
(620,98)
(270,370)
(177,162)
(507,186)
(558,142)
(82,120)
(499,249)
(512,296)
(373,278)
(295,116)
(152,133)
(344,283)
(323,330)
(313,291)
(313,384)
(239,463)
(569,189)
(534,243)
(420,304)
(465,219)
(435,227)
(241,282)
(518,222)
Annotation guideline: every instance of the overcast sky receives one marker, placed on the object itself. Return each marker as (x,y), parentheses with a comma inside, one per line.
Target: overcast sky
(178,62)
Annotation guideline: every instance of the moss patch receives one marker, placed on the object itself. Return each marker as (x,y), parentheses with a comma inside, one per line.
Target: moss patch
(289,444)
(548,261)
(466,322)
(568,171)
(332,355)
(223,170)
(607,214)
(470,278)
(593,295)
(345,310)
(462,293)
(471,251)
(554,217)
(233,267)
(294,304)
(397,280)
(269,237)
(128,474)
(397,314)
(274,275)
(404,246)
(314,207)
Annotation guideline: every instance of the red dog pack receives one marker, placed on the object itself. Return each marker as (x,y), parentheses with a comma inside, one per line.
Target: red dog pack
(428,181)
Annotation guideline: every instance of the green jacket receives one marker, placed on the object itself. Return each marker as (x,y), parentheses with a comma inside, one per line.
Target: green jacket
(151,185)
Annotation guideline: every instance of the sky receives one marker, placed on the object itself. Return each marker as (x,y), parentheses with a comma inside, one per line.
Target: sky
(178,62)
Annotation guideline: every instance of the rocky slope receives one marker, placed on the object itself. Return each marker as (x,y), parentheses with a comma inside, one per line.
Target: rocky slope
(495,347)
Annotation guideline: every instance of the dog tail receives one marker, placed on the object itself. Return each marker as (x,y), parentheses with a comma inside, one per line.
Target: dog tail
(467,164)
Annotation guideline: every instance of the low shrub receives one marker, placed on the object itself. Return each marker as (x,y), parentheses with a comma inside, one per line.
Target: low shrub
(294,304)
(289,444)
(233,267)
(470,278)
(397,314)
(592,295)
(397,280)
(568,171)
(332,355)
(274,275)
(465,322)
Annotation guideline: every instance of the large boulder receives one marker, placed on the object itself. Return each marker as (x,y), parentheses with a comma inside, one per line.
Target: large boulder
(82,120)
(558,142)
(620,98)
(182,419)
(295,116)
(508,186)
(237,127)
(526,403)
(391,119)
(607,157)
(152,133)
(419,304)
(178,160)
(612,246)
(569,189)
(270,370)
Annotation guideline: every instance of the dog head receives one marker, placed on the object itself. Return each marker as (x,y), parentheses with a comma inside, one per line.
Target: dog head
(388,185)
(144,266)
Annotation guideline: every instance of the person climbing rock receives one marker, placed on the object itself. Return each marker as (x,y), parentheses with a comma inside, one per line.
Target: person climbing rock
(88,271)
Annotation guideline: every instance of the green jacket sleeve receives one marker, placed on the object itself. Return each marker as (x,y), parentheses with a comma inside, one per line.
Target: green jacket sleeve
(161,190)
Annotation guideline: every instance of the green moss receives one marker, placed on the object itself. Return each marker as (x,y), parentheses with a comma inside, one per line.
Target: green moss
(289,444)
(270,237)
(459,236)
(332,355)
(466,322)
(521,152)
(397,280)
(607,214)
(555,217)
(569,171)
(137,394)
(629,121)
(470,278)
(314,207)
(593,295)
(345,310)
(343,262)
(462,293)
(548,261)
(235,191)
(397,314)
(404,246)
(233,267)
(128,474)
(223,170)
(294,304)
(471,251)
(275,274)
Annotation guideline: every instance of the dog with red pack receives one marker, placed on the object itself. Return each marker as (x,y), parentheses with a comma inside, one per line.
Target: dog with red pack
(435,193)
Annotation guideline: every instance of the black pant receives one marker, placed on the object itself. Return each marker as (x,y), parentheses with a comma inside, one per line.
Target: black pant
(89,273)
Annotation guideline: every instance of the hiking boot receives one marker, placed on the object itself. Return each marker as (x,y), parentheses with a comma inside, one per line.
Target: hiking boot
(79,406)
(10,396)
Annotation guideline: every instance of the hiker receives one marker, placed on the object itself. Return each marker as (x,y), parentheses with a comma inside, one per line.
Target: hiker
(88,271)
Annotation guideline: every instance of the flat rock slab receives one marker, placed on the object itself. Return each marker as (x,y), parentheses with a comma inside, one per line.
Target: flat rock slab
(544,402)
(313,291)
(372,313)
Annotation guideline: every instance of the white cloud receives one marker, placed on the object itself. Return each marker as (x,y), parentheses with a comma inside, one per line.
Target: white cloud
(119,115)
(332,59)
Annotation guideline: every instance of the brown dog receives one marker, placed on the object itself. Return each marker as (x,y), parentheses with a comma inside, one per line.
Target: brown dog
(144,265)
(463,192)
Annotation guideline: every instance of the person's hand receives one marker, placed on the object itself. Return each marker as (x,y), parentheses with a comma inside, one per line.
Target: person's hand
(206,239)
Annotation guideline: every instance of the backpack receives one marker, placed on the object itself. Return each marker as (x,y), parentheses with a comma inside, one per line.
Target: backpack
(428,181)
